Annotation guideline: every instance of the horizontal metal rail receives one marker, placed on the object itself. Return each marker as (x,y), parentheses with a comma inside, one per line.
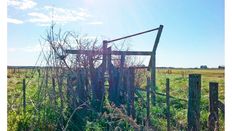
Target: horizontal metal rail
(131,35)
(162,94)
(140,67)
(112,52)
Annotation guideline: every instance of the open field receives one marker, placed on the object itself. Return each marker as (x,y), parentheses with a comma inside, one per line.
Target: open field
(179,89)
(179,78)
(41,116)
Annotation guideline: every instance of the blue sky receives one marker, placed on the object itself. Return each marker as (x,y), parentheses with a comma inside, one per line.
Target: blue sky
(193,33)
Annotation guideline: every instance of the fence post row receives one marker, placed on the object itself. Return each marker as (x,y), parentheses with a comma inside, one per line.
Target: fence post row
(131,92)
(148,101)
(54,90)
(24,96)
(168,103)
(213,100)
(194,102)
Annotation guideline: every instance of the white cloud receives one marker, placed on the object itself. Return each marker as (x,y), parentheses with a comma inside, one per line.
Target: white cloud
(96,23)
(14,21)
(28,49)
(38,17)
(90,37)
(22,4)
(82,9)
(44,24)
(58,15)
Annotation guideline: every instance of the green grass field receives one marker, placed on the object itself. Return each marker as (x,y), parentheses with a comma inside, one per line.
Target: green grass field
(178,89)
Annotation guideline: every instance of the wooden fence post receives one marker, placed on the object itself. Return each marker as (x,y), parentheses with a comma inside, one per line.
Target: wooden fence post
(168,103)
(194,102)
(130,93)
(148,101)
(39,72)
(24,96)
(127,92)
(213,99)
(121,89)
(54,90)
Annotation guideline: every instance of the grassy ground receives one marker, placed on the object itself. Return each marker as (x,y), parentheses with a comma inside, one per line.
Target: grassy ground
(178,89)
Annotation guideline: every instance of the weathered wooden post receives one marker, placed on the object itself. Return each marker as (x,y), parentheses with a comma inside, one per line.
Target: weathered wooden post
(104,69)
(121,88)
(54,90)
(130,93)
(114,94)
(122,61)
(125,85)
(60,85)
(38,72)
(148,101)
(92,75)
(24,96)
(194,102)
(168,103)
(81,93)
(112,85)
(69,90)
(213,99)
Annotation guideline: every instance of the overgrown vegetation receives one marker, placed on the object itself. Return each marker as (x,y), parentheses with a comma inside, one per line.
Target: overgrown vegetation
(40,115)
